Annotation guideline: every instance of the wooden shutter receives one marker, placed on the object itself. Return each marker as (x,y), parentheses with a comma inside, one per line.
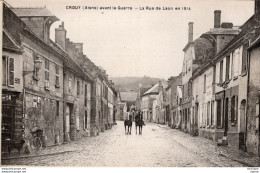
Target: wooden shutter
(10,71)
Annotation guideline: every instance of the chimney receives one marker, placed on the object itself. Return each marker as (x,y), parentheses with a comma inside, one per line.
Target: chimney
(190,36)
(79,47)
(60,36)
(257,6)
(217,18)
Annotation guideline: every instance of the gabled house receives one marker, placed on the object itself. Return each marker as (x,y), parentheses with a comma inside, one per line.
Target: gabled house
(42,74)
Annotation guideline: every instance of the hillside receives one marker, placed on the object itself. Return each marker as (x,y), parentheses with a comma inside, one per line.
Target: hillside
(132,83)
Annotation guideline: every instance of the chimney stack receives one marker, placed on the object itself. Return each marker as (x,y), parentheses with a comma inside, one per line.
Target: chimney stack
(60,36)
(190,36)
(217,18)
(257,6)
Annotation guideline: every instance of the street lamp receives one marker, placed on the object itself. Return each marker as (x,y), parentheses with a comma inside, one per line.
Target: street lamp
(37,66)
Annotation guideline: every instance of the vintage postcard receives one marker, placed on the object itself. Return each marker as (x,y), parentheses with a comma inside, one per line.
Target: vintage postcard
(130,83)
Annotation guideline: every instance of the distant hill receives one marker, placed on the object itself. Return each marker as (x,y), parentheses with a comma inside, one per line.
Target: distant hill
(132,83)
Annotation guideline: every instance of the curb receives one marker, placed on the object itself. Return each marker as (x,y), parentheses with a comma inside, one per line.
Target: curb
(48,154)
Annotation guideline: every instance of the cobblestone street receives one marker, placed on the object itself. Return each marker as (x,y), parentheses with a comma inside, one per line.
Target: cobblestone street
(159,146)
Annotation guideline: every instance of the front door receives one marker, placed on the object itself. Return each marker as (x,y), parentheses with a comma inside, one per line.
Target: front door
(226,117)
(196,114)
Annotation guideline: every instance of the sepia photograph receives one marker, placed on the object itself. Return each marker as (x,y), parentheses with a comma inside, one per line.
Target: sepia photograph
(130,83)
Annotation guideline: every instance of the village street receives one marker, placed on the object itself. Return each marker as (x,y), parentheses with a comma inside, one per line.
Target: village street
(159,146)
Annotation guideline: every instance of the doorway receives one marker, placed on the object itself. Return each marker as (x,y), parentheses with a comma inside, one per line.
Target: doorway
(242,137)
(68,114)
(196,114)
(226,117)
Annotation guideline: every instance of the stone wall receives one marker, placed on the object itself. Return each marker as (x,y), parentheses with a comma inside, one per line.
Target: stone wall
(252,143)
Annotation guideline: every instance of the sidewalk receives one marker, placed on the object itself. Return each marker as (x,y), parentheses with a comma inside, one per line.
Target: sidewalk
(206,148)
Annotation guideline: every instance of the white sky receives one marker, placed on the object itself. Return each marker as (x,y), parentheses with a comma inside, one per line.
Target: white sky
(138,43)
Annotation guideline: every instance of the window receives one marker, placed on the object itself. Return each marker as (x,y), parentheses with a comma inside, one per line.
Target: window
(221,72)
(70,86)
(227,68)
(4,70)
(233,109)
(89,93)
(35,70)
(189,88)
(78,88)
(86,120)
(244,58)
(86,95)
(57,108)
(214,79)
(236,56)
(208,114)
(10,71)
(212,113)
(204,88)
(47,68)
(57,76)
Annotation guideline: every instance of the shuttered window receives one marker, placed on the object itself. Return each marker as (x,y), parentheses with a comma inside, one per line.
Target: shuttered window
(10,71)
(47,68)
(57,76)
(4,70)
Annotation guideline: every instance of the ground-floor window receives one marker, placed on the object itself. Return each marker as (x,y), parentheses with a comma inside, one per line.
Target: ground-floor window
(219,113)
(208,114)
(212,113)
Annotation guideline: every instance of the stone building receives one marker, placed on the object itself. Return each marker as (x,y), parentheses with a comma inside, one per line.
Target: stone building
(43,85)
(57,91)
(77,89)
(167,108)
(174,82)
(147,103)
(205,80)
(253,108)
(140,92)
(12,89)
(194,53)
(221,106)
(252,105)
(128,99)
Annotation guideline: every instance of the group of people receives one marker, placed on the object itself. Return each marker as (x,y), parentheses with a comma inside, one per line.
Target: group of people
(138,116)
(138,122)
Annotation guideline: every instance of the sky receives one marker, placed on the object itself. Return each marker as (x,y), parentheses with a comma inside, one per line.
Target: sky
(139,42)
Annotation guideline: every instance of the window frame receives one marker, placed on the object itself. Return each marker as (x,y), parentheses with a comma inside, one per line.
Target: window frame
(5,70)
(10,72)
(57,76)
(47,70)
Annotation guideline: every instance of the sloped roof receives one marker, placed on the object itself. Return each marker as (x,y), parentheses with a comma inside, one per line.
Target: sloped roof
(29,12)
(128,96)
(250,25)
(143,90)
(9,43)
(223,31)
(154,89)
(203,48)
